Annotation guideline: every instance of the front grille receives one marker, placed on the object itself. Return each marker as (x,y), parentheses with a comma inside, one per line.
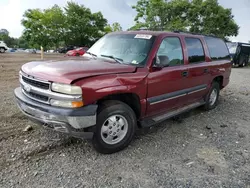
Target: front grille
(40,90)
(36,96)
(35,83)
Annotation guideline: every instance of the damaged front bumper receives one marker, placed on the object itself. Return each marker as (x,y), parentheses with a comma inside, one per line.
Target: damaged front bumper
(66,120)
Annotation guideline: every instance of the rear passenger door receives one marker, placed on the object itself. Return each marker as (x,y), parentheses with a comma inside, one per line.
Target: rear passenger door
(198,70)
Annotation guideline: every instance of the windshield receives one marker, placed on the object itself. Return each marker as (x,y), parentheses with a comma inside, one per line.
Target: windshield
(127,48)
(232,47)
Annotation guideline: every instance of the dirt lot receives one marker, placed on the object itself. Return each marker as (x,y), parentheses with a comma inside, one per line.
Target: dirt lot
(203,149)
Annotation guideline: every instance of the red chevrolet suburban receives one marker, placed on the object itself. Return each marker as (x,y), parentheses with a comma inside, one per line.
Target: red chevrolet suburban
(126,80)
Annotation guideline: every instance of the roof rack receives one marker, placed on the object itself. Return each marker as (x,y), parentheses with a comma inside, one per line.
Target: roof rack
(192,33)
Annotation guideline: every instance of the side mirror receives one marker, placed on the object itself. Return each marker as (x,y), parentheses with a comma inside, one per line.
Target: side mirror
(157,63)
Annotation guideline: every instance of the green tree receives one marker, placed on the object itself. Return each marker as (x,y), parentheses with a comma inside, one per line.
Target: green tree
(23,43)
(44,27)
(83,28)
(54,20)
(116,27)
(161,15)
(113,28)
(200,16)
(4,31)
(10,41)
(35,32)
(72,25)
(208,17)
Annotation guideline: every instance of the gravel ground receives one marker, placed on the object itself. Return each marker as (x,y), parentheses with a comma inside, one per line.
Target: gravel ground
(201,149)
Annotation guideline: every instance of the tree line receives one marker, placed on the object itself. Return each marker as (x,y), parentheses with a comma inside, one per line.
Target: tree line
(197,16)
(72,25)
(75,24)
(54,27)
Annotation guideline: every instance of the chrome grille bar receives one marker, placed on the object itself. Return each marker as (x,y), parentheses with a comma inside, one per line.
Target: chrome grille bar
(46,93)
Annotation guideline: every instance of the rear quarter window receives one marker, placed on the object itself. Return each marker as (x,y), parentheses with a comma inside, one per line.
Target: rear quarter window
(217,48)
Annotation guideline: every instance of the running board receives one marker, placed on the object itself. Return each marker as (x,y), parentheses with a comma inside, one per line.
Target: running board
(148,122)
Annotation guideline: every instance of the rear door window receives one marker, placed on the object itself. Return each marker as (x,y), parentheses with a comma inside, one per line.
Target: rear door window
(195,50)
(217,48)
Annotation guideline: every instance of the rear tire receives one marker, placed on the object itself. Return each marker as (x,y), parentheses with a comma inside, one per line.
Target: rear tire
(115,128)
(243,64)
(212,96)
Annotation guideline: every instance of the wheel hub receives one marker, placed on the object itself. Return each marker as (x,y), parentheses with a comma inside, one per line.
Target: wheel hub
(213,97)
(114,129)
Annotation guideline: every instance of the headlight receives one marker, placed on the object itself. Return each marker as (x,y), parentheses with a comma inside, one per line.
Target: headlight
(66,104)
(67,89)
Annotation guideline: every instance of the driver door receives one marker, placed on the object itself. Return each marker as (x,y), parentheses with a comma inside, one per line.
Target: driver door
(166,85)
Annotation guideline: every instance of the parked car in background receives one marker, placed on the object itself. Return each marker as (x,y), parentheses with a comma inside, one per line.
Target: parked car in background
(239,52)
(33,51)
(11,50)
(20,50)
(50,51)
(77,52)
(66,49)
(3,47)
(125,81)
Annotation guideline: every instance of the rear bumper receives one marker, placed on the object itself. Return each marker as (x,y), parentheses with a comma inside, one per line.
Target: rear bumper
(66,120)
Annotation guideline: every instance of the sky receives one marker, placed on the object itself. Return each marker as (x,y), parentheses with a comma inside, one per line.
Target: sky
(113,10)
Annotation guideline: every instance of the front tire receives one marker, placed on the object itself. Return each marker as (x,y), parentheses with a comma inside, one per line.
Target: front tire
(2,50)
(212,96)
(115,128)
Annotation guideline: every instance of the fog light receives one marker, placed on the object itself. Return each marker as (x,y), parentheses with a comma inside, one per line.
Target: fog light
(66,104)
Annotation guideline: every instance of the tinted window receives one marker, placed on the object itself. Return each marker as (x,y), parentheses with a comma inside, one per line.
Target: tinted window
(170,52)
(232,46)
(217,48)
(195,50)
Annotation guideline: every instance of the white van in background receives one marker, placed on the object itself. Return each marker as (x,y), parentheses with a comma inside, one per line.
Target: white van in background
(3,47)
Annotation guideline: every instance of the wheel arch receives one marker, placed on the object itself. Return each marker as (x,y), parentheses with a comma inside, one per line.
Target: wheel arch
(131,99)
(219,79)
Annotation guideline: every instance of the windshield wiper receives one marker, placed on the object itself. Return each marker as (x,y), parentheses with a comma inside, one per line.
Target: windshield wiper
(93,55)
(118,60)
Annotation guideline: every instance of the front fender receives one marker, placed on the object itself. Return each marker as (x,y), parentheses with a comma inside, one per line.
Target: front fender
(98,87)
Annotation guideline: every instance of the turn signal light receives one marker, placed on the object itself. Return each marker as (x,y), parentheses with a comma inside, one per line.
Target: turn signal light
(77,104)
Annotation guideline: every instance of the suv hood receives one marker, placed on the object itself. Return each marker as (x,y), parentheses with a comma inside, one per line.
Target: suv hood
(66,71)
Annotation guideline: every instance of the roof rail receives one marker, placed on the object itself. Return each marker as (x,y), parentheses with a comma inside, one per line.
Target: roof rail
(192,33)
(148,29)
(141,29)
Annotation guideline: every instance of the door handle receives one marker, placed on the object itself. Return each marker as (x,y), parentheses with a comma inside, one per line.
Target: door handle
(184,73)
(205,70)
